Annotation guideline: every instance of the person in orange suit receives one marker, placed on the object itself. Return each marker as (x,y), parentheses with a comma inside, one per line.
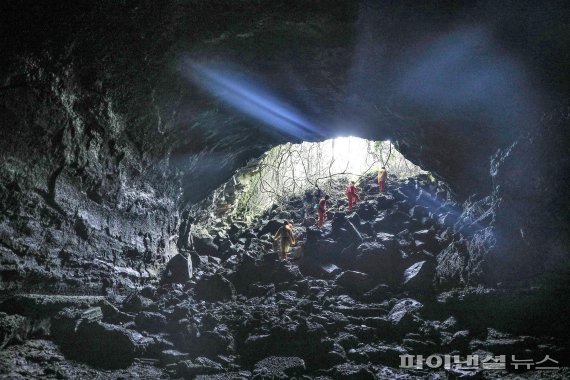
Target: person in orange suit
(322,210)
(382,177)
(351,194)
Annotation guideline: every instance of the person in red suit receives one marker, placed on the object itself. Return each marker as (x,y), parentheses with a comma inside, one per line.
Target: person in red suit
(322,210)
(352,194)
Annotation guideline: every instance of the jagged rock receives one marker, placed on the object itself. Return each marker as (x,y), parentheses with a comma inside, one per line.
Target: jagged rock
(284,272)
(151,322)
(403,315)
(352,372)
(379,261)
(451,269)
(241,375)
(347,341)
(172,356)
(387,240)
(419,212)
(259,290)
(148,291)
(359,310)
(96,343)
(457,341)
(448,324)
(198,260)
(315,268)
(385,201)
(326,249)
(420,277)
(393,222)
(135,303)
(279,367)
(215,288)
(355,281)
(338,221)
(428,240)
(351,236)
(214,342)
(178,270)
(366,210)
(383,354)
(13,329)
(306,340)
(379,293)
(39,306)
(497,342)
(204,245)
(189,369)
(271,227)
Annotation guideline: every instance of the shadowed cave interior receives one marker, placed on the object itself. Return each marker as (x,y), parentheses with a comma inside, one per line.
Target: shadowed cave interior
(150,151)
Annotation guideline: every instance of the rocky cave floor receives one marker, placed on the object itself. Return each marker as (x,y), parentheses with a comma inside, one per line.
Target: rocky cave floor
(362,295)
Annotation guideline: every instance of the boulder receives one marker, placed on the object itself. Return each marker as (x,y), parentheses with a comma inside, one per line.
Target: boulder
(271,227)
(428,238)
(367,210)
(315,268)
(189,369)
(457,341)
(347,341)
(210,343)
(135,303)
(98,344)
(324,249)
(387,240)
(393,222)
(379,261)
(178,270)
(355,281)
(351,236)
(150,322)
(403,315)
(215,288)
(385,201)
(204,245)
(419,212)
(420,277)
(379,293)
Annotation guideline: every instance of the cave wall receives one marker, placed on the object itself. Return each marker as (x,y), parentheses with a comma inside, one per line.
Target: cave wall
(104,141)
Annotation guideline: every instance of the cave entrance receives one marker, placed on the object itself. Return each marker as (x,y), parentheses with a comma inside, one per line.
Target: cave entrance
(290,170)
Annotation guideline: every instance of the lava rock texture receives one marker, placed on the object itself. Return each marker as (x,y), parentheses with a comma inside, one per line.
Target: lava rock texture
(106,141)
(324,315)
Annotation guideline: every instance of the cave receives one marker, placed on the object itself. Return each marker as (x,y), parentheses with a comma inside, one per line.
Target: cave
(151,151)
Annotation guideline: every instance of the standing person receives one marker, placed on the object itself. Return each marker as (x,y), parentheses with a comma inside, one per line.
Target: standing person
(285,232)
(382,177)
(322,210)
(351,194)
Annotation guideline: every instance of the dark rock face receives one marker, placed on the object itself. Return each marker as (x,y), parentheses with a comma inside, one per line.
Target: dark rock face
(104,141)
